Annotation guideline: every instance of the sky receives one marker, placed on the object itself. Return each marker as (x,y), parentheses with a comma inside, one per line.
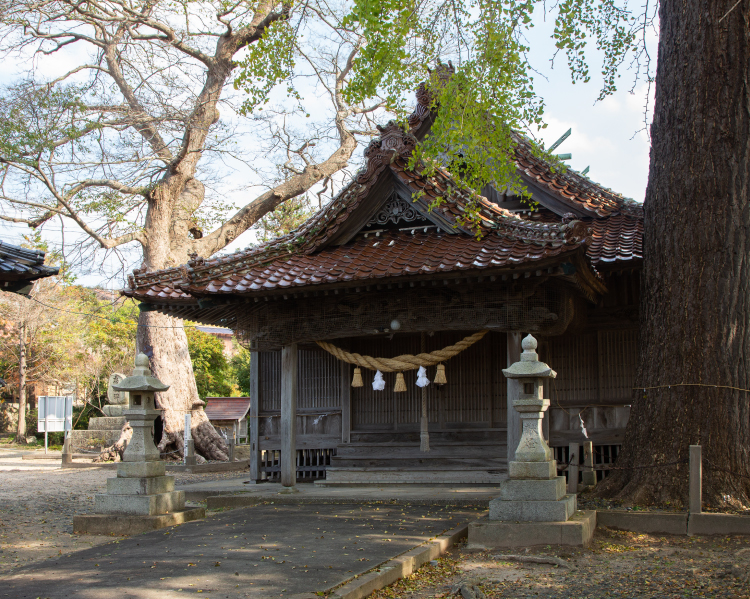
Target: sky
(609,136)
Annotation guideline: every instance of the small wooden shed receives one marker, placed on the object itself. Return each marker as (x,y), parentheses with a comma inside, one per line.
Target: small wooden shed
(229,414)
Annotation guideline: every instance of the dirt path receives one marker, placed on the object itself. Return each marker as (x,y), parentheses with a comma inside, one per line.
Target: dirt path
(617,564)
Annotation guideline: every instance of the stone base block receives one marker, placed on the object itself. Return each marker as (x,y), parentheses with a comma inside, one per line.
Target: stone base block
(533,511)
(533,490)
(489,534)
(110,423)
(718,524)
(114,411)
(140,469)
(671,523)
(93,438)
(534,470)
(140,486)
(101,524)
(589,478)
(140,505)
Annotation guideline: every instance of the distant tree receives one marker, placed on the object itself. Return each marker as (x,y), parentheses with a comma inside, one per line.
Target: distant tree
(37,341)
(240,365)
(213,376)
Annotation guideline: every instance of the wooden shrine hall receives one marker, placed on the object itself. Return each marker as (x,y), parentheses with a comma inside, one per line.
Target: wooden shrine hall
(377,274)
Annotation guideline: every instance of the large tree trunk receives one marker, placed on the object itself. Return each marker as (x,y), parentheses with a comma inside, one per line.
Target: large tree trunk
(21,432)
(696,278)
(162,338)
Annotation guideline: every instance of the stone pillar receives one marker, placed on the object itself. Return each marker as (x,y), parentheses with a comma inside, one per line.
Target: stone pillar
(67,450)
(253,424)
(696,479)
(289,415)
(190,454)
(589,474)
(514,418)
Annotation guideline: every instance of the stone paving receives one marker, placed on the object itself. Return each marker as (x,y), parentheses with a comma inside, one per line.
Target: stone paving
(38,500)
(272,549)
(260,551)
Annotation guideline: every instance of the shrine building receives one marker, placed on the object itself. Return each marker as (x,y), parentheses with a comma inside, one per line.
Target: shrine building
(377,274)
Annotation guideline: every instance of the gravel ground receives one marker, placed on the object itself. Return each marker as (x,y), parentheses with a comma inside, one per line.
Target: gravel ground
(38,501)
(617,564)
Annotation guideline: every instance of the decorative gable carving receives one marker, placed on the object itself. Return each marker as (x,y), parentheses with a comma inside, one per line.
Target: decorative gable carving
(396,210)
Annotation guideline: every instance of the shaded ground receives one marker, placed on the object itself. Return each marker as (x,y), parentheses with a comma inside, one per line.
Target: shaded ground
(37,504)
(260,551)
(617,564)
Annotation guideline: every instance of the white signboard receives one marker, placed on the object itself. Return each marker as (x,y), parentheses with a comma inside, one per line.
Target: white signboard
(55,412)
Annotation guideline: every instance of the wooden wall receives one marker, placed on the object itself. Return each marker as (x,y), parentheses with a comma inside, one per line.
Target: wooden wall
(474,396)
(595,378)
(595,361)
(318,411)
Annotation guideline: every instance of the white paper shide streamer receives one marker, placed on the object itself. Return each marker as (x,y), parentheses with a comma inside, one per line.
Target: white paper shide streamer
(378,383)
(422,380)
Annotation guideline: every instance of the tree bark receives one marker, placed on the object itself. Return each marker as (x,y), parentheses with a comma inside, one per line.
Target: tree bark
(696,276)
(163,340)
(115,452)
(21,432)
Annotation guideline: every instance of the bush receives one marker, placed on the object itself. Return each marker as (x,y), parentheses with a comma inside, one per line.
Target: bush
(31,419)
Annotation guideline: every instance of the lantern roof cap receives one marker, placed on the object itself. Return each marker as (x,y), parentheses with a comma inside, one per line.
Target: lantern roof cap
(141,379)
(529,366)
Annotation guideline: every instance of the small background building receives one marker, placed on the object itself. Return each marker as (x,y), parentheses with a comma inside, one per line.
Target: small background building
(229,415)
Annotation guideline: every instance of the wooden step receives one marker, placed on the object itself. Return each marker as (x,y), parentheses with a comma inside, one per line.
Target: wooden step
(411,435)
(378,476)
(410,463)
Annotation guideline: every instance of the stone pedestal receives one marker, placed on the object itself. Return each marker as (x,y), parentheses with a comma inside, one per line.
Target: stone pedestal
(532,507)
(114,411)
(141,497)
(102,432)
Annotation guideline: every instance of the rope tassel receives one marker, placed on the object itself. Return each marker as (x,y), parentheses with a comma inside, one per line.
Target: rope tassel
(357,379)
(400,383)
(440,375)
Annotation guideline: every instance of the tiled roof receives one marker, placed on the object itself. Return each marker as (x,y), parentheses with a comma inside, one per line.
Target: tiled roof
(618,238)
(388,255)
(226,408)
(499,239)
(19,266)
(523,240)
(571,187)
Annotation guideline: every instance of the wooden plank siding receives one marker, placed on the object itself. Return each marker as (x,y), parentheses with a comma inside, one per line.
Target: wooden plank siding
(596,374)
(318,417)
(473,397)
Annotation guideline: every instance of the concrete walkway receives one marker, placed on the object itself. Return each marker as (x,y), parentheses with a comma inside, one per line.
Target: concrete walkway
(267,550)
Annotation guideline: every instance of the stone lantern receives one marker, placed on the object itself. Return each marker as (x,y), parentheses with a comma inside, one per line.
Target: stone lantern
(532,507)
(141,497)
(141,412)
(533,455)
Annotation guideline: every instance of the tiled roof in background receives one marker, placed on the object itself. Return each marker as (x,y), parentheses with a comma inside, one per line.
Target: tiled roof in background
(227,408)
(618,238)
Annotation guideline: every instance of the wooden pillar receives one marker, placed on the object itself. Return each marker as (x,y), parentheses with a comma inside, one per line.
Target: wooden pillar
(514,418)
(346,402)
(289,375)
(254,437)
